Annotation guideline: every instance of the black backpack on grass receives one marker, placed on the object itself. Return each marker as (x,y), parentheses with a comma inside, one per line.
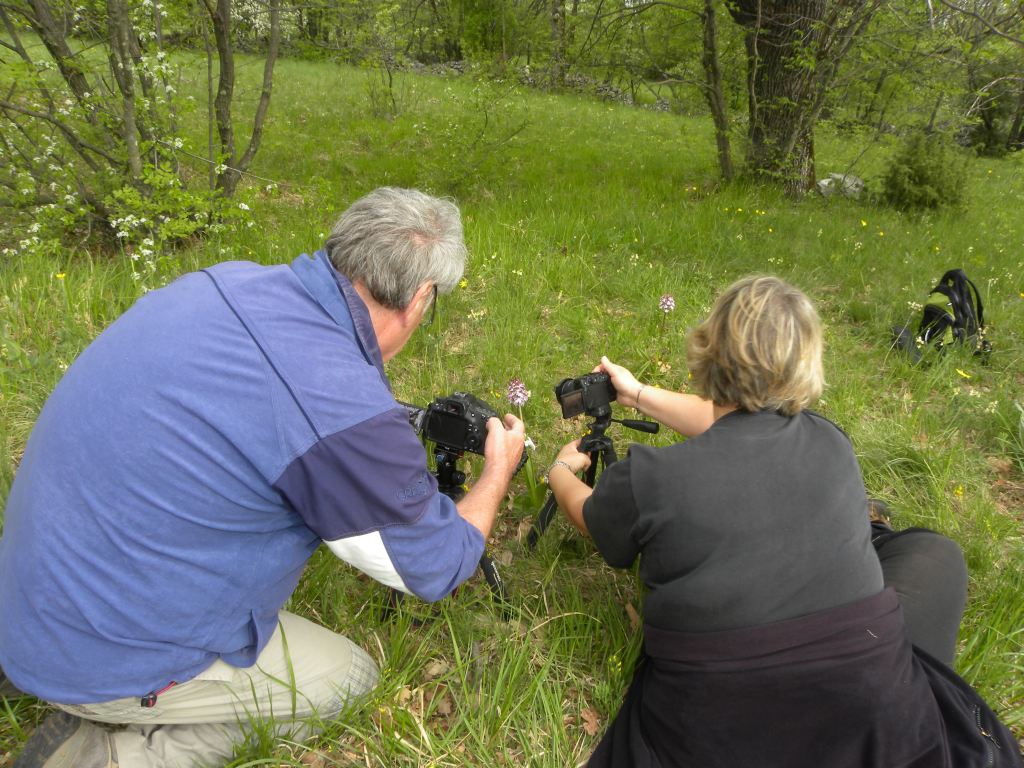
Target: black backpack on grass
(953,314)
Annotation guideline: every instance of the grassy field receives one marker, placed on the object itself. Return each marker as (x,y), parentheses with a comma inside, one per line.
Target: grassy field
(579,216)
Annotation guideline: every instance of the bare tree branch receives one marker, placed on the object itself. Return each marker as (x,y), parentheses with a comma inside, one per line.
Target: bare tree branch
(995,30)
(72,138)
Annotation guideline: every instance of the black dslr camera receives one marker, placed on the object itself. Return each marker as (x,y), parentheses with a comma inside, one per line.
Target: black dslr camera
(591,394)
(457,422)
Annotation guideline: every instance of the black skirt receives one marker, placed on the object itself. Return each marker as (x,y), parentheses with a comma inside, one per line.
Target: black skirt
(841,688)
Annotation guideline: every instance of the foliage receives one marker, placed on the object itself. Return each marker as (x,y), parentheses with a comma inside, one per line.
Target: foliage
(994,113)
(477,134)
(926,172)
(90,130)
(63,129)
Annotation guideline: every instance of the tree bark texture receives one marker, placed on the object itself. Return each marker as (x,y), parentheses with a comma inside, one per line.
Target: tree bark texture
(780,36)
(557,63)
(220,15)
(794,48)
(121,66)
(53,37)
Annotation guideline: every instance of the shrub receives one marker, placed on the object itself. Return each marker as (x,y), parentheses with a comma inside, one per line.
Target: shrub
(927,172)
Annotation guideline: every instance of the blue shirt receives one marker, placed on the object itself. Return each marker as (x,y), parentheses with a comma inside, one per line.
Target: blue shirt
(186,467)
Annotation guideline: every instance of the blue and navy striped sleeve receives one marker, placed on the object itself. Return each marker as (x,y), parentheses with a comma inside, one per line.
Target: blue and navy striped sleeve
(366,491)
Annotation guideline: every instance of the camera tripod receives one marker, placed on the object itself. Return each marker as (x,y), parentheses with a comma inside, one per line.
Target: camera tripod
(601,450)
(450,482)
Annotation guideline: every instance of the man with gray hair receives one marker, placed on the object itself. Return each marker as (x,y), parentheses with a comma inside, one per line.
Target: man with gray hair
(188,465)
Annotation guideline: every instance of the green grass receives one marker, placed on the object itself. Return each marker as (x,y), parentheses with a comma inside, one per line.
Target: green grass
(579,215)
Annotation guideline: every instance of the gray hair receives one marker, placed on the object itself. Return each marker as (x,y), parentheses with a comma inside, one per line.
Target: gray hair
(394,240)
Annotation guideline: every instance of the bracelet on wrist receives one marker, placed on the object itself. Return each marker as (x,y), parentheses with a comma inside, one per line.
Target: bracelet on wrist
(638,393)
(557,463)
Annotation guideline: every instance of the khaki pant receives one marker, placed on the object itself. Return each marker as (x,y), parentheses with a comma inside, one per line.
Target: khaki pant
(304,673)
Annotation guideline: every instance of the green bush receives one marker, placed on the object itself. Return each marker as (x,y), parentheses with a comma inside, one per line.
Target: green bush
(927,172)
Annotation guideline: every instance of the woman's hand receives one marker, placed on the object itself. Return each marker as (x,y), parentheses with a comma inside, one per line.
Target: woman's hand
(570,492)
(689,415)
(570,454)
(627,388)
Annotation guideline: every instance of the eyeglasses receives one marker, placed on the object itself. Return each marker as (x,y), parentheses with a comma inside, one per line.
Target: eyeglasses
(428,318)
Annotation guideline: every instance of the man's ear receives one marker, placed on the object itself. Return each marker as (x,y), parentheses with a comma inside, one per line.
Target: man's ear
(414,311)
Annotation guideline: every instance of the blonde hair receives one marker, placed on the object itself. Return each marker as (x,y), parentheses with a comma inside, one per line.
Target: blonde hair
(759,348)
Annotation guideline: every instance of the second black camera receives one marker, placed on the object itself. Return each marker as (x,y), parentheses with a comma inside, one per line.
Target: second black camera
(592,394)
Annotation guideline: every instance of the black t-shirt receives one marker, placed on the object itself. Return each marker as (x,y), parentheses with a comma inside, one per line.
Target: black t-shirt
(760,518)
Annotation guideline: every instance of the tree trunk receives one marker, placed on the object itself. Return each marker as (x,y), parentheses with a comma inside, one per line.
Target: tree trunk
(220,15)
(872,105)
(45,25)
(557,65)
(781,141)
(233,167)
(713,90)
(273,47)
(211,95)
(930,127)
(794,48)
(118,33)
(1015,138)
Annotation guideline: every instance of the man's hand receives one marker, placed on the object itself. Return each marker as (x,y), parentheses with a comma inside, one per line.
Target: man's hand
(502,450)
(504,445)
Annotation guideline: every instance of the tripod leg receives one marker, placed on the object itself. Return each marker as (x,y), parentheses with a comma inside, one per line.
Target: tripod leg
(547,512)
(494,581)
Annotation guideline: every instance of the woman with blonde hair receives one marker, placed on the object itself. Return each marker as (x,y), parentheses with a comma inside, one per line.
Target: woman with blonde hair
(781,627)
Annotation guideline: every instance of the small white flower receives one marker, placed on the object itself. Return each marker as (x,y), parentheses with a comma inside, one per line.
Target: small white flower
(243,206)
